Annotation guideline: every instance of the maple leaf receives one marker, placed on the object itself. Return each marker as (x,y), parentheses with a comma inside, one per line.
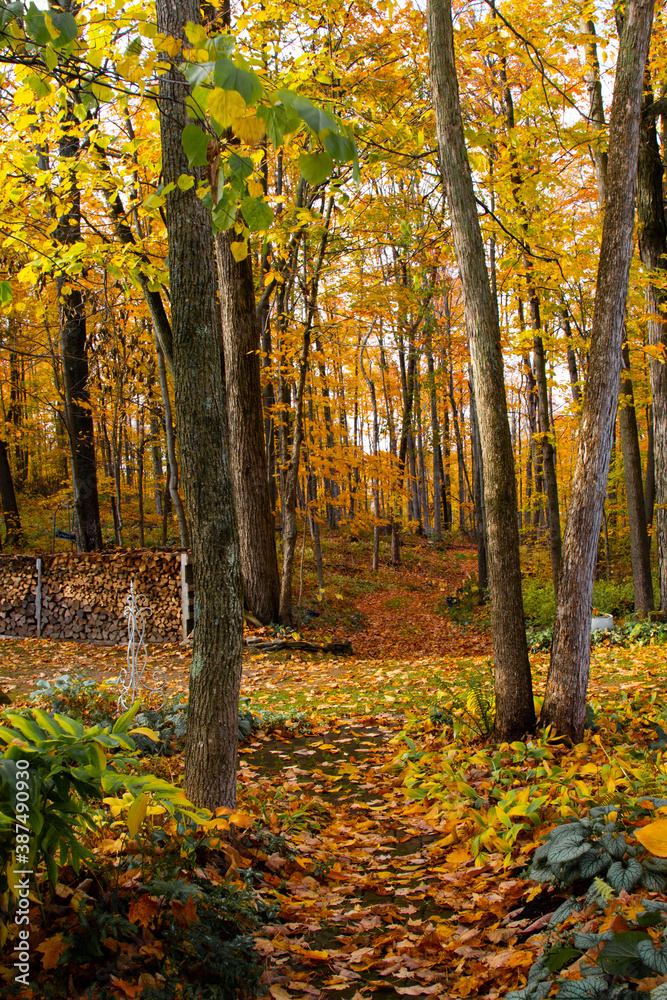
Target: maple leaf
(52,949)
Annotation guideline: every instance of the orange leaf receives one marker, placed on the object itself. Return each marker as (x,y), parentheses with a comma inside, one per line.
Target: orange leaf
(51,950)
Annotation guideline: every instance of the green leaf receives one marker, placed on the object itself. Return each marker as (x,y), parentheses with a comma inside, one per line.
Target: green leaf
(614,844)
(620,956)
(592,988)
(592,863)
(196,73)
(66,25)
(38,85)
(122,724)
(231,77)
(27,727)
(240,167)
(317,120)
(315,167)
(5,292)
(195,144)
(559,957)
(339,147)
(651,957)
(257,214)
(560,853)
(224,213)
(276,122)
(624,875)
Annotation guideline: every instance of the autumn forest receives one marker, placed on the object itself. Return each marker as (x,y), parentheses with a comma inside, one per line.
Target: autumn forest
(361,305)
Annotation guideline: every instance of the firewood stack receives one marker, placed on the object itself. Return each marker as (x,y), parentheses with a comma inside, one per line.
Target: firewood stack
(84,594)
(18,577)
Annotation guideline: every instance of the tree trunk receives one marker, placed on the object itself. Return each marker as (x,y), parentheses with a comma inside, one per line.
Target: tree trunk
(649,483)
(171,484)
(640,547)
(515,713)
(565,701)
(245,420)
(548,463)
(480,512)
(199,394)
(640,550)
(74,348)
(653,251)
(14,537)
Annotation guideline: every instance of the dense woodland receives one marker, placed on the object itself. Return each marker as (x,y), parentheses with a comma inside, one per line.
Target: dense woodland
(252,288)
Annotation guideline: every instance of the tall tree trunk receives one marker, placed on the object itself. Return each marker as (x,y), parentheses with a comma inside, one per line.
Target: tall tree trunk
(515,713)
(480,511)
(171,482)
(640,546)
(640,550)
(565,700)
(292,475)
(437,450)
(14,536)
(245,420)
(653,250)
(548,463)
(74,348)
(199,395)
(649,483)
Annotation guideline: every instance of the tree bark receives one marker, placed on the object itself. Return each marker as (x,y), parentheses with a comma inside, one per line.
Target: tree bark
(515,713)
(245,420)
(640,547)
(74,349)
(564,705)
(14,536)
(640,550)
(653,251)
(548,463)
(171,482)
(215,675)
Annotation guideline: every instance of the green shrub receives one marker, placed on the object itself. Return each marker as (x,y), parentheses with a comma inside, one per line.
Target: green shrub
(539,603)
(70,769)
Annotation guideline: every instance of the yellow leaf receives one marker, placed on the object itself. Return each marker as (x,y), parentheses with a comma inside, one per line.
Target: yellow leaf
(654,838)
(589,769)
(255,190)
(185,182)
(239,251)
(51,950)
(136,814)
(225,106)
(144,731)
(249,130)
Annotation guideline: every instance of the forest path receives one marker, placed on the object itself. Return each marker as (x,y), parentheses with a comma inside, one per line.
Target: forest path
(377,898)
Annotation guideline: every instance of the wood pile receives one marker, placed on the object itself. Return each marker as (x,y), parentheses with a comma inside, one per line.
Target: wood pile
(84,594)
(18,577)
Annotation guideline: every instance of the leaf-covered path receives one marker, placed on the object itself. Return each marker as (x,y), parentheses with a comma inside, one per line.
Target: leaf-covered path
(375,899)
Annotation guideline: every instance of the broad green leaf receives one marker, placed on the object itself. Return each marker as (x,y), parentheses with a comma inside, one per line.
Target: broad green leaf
(339,147)
(315,167)
(5,292)
(27,727)
(122,724)
(196,73)
(195,144)
(624,875)
(316,119)
(231,77)
(620,956)
(240,166)
(257,214)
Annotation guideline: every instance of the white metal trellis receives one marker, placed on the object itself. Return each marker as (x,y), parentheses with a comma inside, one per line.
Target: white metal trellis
(136,676)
